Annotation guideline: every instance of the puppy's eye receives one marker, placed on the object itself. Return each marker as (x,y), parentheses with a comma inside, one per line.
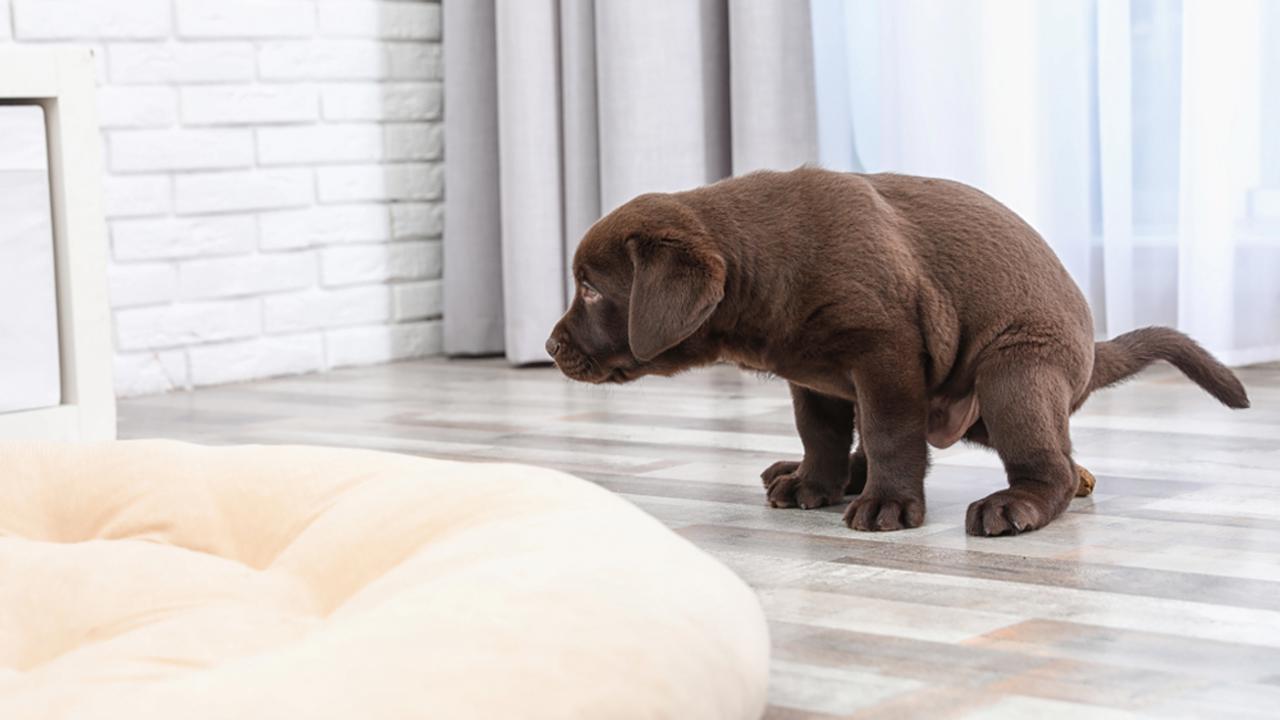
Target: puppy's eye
(589,293)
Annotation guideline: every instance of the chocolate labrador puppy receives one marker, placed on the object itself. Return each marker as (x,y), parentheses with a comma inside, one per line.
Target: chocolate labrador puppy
(920,310)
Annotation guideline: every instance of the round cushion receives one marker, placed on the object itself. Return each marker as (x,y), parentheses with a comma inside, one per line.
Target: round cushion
(153,579)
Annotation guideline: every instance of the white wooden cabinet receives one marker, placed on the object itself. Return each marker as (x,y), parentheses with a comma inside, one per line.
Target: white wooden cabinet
(30,369)
(60,81)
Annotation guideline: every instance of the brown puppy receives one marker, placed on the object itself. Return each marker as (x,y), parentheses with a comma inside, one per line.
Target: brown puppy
(930,307)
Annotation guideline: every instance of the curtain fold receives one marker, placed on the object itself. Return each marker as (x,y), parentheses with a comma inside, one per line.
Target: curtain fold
(771,56)
(581,130)
(556,112)
(1218,137)
(1115,162)
(473,292)
(530,174)
(663,102)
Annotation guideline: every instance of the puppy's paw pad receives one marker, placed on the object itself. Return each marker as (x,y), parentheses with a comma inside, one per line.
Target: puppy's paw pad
(774,471)
(796,490)
(880,513)
(1003,513)
(781,491)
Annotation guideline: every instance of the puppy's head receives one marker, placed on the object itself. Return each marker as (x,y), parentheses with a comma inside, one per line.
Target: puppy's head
(647,279)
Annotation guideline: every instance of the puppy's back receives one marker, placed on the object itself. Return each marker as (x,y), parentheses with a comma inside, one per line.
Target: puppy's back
(990,261)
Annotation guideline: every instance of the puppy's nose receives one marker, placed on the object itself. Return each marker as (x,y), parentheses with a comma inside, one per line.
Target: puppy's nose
(553,346)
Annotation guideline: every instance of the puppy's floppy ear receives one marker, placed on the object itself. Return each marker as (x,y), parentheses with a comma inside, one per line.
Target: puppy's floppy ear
(675,289)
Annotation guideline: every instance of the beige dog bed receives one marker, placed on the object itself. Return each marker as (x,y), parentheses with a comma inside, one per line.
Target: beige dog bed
(161,580)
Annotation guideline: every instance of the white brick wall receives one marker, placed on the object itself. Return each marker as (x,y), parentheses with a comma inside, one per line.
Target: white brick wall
(214,192)
(382,101)
(164,150)
(417,300)
(248,104)
(381,343)
(183,324)
(134,284)
(169,238)
(312,310)
(82,19)
(312,144)
(405,181)
(264,356)
(325,226)
(174,63)
(137,195)
(246,18)
(126,107)
(355,264)
(399,20)
(273,180)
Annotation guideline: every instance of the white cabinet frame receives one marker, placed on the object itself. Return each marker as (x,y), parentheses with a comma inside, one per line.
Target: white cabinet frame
(62,81)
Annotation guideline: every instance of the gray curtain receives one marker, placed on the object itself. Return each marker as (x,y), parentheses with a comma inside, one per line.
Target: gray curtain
(558,111)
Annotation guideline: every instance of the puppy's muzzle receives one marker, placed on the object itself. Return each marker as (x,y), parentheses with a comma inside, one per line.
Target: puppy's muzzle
(568,359)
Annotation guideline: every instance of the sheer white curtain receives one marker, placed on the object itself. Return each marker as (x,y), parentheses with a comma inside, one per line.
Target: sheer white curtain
(557,111)
(1141,137)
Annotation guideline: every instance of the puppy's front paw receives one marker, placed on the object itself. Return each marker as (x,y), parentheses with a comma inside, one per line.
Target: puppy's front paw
(788,484)
(1005,513)
(782,467)
(872,511)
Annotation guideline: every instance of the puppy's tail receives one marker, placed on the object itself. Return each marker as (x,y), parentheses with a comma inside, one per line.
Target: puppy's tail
(1121,357)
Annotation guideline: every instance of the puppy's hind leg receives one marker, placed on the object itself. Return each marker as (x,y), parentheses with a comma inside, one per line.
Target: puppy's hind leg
(826,429)
(1025,410)
(1086,481)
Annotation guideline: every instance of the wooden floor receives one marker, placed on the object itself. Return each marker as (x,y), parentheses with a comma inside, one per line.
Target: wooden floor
(1159,596)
